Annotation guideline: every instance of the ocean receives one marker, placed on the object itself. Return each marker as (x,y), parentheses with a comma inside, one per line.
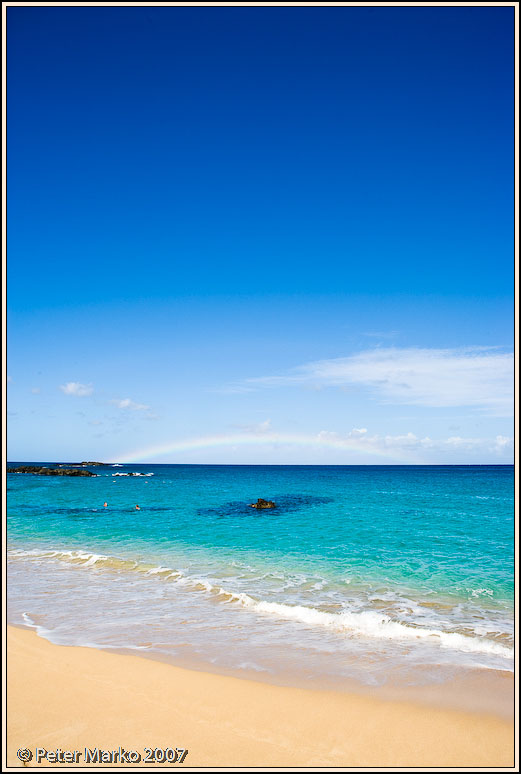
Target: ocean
(364,573)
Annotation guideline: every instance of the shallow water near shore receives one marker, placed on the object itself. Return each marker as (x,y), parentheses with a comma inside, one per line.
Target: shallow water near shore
(359,573)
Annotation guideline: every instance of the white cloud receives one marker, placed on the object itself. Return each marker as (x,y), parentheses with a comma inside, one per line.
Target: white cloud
(126,403)
(409,442)
(503,444)
(75,388)
(35,390)
(477,377)
(456,442)
(261,428)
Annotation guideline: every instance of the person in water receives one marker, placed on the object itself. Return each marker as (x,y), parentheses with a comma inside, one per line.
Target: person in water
(104,505)
(138,508)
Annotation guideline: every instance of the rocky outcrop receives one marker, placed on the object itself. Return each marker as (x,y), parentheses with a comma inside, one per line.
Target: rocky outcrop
(133,473)
(262,504)
(42,471)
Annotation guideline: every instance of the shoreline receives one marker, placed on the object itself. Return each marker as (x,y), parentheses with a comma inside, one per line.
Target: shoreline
(474,690)
(93,698)
(471,689)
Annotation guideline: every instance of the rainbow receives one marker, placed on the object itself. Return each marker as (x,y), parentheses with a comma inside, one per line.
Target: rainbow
(264,439)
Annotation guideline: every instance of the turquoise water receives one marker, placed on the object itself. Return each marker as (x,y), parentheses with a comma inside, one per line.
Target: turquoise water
(357,567)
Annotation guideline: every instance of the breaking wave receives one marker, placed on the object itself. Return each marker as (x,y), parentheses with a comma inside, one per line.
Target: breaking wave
(364,624)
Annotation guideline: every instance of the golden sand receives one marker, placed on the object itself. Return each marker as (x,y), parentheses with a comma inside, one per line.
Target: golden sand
(72,698)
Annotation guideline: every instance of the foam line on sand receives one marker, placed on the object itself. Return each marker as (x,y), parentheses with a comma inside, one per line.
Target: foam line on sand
(71,698)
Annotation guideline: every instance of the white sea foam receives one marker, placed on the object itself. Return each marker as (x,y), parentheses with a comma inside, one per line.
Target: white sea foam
(250,665)
(481,592)
(372,624)
(133,475)
(41,631)
(93,559)
(366,623)
(166,572)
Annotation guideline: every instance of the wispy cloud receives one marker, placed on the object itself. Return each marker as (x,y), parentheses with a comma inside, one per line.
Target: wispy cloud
(260,428)
(130,405)
(77,389)
(477,377)
(381,334)
(35,390)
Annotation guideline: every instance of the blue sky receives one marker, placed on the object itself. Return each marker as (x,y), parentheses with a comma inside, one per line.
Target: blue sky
(256,235)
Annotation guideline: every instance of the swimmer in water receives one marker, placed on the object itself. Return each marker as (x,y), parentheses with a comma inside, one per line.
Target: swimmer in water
(138,508)
(104,505)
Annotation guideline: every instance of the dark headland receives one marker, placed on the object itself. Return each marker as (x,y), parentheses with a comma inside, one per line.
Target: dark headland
(35,470)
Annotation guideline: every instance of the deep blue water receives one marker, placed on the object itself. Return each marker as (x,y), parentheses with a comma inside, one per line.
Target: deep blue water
(355,566)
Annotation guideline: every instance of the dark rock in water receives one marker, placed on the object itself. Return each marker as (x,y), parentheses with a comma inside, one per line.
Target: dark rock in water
(287,503)
(261,504)
(93,463)
(42,471)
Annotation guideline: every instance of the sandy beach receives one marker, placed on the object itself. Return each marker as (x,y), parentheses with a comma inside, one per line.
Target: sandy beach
(72,698)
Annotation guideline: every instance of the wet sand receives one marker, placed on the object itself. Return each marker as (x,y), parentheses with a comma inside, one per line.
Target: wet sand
(75,698)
